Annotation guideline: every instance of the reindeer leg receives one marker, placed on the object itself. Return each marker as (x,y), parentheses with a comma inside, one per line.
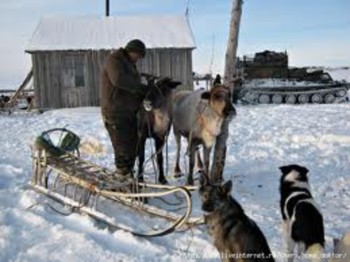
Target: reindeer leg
(141,152)
(206,153)
(159,145)
(177,170)
(192,162)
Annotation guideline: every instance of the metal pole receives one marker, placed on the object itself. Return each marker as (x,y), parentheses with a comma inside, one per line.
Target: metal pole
(107,7)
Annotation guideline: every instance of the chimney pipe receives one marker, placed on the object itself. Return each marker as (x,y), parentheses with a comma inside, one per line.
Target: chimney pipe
(107,7)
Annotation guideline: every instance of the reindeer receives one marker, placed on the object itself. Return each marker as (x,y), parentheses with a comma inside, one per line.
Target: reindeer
(198,116)
(155,122)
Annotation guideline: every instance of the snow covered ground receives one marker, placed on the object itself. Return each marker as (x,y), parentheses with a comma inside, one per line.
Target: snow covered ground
(262,138)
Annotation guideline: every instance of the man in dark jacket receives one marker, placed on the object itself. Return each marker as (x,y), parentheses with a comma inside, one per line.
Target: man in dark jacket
(121,97)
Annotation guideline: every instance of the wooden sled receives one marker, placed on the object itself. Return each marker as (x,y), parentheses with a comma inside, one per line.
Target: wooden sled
(66,178)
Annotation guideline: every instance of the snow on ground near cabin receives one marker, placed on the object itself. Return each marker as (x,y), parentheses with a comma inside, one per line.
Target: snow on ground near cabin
(262,139)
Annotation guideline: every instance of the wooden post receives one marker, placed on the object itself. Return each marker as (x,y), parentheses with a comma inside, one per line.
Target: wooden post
(219,157)
(232,43)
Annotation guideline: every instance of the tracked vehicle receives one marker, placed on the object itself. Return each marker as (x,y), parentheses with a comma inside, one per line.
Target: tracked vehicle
(266,78)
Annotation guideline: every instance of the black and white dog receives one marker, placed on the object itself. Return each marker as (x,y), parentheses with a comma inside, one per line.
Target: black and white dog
(302,220)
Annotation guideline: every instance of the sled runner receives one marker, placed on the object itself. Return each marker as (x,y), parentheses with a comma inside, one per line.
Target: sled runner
(60,174)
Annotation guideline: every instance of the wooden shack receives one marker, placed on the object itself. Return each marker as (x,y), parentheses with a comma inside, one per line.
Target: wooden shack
(68,54)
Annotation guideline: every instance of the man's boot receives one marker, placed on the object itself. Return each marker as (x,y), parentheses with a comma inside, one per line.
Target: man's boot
(124,172)
(122,180)
(126,175)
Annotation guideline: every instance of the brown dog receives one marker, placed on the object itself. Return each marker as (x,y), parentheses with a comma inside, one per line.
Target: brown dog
(236,236)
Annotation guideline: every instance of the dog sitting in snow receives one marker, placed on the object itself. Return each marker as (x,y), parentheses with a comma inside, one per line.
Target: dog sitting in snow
(302,220)
(234,233)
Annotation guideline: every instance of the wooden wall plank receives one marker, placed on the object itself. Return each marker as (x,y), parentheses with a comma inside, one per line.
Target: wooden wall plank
(50,84)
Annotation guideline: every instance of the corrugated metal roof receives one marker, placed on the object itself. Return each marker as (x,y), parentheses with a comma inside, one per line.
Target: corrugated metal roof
(96,33)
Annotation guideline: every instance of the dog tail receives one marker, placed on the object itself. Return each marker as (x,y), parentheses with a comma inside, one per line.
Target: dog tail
(315,252)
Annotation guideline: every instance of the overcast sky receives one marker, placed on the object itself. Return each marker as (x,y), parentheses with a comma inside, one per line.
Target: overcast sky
(314,32)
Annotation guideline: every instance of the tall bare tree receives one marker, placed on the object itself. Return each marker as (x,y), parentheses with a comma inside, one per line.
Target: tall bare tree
(220,146)
(232,43)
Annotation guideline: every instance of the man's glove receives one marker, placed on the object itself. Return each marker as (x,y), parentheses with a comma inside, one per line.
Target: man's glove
(147,105)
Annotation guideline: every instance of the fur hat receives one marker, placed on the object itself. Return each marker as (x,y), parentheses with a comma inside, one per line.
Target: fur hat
(136,46)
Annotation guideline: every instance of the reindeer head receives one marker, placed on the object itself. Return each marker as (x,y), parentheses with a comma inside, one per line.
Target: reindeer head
(160,91)
(219,98)
(160,95)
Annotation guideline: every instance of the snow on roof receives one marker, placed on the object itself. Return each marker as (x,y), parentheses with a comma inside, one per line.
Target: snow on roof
(96,33)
